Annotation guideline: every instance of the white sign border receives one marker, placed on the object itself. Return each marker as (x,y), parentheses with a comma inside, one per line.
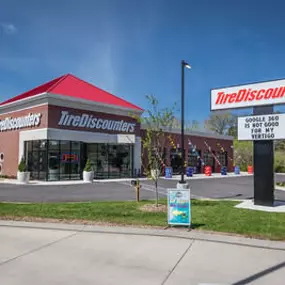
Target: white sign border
(259,115)
(190,213)
(241,85)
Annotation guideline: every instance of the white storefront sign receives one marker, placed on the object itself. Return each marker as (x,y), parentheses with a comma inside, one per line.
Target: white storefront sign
(263,127)
(10,124)
(90,122)
(244,96)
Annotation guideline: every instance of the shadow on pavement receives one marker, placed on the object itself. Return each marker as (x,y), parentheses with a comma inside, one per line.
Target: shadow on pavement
(195,226)
(260,274)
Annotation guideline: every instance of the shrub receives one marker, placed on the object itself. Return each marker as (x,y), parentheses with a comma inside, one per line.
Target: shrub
(22,166)
(88,166)
(243,154)
(3,176)
(279,163)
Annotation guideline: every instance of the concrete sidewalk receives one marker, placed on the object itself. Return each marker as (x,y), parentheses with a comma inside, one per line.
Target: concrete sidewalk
(42,253)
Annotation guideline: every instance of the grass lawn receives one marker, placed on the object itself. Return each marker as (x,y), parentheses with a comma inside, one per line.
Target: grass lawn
(218,216)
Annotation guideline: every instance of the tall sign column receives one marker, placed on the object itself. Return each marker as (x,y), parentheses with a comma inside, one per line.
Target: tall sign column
(263,160)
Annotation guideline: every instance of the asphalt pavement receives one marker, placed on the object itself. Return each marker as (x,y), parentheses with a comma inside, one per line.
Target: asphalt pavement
(34,253)
(215,188)
(219,188)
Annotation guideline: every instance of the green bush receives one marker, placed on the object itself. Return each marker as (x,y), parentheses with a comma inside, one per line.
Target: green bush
(243,154)
(279,163)
(22,166)
(88,166)
(3,176)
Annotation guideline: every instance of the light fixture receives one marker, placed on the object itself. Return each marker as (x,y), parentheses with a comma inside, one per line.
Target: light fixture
(187,65)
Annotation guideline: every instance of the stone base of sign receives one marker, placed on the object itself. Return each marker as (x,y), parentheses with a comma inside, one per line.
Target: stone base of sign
(182,186)
(278,206)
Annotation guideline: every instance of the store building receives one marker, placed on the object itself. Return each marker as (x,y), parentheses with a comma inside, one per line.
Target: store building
(55,127)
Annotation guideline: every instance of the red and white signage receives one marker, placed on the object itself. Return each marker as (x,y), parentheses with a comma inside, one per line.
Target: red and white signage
(245,96)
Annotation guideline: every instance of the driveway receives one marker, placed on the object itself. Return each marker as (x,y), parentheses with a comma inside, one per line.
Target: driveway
(217,188)
(62,254)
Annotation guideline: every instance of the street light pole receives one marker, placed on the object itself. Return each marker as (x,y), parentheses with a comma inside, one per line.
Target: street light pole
(183,65)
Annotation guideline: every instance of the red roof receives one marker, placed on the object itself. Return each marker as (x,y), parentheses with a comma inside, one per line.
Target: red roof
(72,86)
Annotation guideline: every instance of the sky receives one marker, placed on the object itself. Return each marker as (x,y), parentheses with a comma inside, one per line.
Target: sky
(134,48)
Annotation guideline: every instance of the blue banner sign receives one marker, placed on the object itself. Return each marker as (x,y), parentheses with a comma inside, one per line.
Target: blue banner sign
(179,211)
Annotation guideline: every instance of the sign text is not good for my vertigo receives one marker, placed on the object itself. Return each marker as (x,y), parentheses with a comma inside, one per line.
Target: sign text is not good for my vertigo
(263,127)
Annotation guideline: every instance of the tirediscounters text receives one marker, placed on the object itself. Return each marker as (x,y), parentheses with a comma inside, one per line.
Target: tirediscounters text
(10,124)
(258,94)
(91,122)
(264,127)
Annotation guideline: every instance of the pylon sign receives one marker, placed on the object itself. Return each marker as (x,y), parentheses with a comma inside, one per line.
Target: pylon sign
(262,127)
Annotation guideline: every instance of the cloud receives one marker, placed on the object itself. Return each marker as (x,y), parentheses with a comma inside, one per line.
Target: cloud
(8,28)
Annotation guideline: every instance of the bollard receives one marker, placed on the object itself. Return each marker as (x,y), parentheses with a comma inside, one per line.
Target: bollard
(237,170)
(137,186)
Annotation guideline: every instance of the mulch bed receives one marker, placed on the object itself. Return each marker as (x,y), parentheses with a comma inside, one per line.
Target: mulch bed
(154,208)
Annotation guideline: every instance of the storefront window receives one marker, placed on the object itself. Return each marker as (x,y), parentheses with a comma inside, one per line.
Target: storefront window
(42,165)
(53,160)
(64,160)
(102,168)
(92,155)
(75,168)
(119,161)
(36,156)
(110,161)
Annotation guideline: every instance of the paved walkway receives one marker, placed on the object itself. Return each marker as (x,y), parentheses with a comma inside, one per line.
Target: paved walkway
(46,254)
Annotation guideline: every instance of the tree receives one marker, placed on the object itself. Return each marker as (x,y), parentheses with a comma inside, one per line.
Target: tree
(158,122)
(191,125)
(279,145)
(223,123)
(243,154)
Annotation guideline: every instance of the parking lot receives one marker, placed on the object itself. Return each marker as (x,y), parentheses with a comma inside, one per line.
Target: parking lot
(215,188)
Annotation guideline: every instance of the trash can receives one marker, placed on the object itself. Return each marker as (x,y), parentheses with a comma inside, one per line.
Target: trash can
(237,170)
(224,170)
(189,171)
(168,172)
(208,170)
(250,169)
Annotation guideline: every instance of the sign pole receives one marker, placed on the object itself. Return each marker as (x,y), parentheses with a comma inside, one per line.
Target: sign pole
(263,156)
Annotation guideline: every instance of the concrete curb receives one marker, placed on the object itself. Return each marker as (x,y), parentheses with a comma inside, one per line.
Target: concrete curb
(81,182)
(279,188)
(167,233)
